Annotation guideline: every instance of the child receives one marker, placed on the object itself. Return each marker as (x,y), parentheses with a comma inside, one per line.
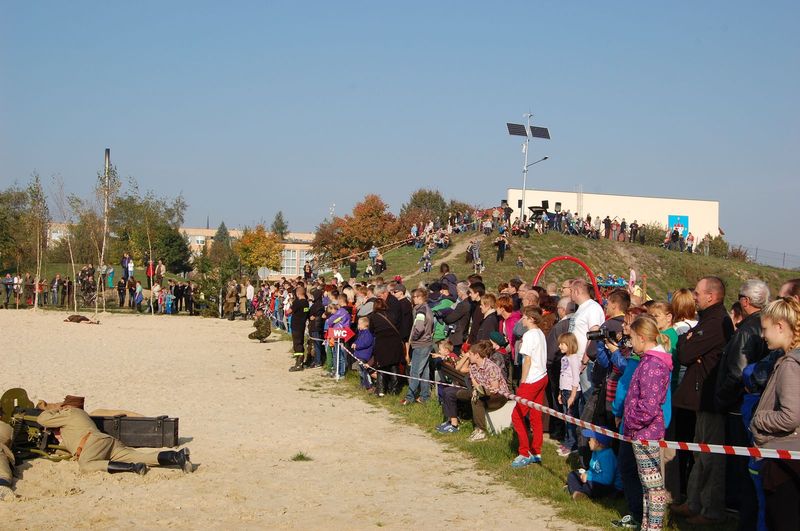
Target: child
(533,382)
(600,480)
(362,349)
(569,388)
(500,354)
(369,271)
(339,318)
(520,262)
(444,355)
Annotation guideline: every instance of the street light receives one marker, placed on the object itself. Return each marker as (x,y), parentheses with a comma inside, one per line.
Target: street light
(528,132)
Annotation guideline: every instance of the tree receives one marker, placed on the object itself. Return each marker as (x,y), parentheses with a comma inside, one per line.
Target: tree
(258,248)
(13,205)
(221,248)
(38,223)
(369,224)
(171,247)
(279,226)
(429,202)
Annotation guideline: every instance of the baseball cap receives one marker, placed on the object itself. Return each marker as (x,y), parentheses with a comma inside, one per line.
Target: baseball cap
(605,440)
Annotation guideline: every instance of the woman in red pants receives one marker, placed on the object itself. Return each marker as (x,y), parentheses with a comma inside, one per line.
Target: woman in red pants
(532,387)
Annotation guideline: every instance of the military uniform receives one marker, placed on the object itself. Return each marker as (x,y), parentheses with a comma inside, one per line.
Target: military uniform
(6,460)
(263,329)
(98,451)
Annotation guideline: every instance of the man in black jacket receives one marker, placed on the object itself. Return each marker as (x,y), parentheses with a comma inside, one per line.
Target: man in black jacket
(398,292)
(459,316)
(476,291)
(316,325)
(745,347)
(699,351)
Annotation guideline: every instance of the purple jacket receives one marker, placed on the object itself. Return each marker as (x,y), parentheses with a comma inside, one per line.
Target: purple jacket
(340,319)
(362,347)
(643,417)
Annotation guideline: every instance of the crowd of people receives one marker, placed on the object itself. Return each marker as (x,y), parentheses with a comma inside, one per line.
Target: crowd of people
(684,369)
(167,296)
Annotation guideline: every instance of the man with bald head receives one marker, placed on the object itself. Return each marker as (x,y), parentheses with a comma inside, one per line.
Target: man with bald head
(700,350)
(790,288)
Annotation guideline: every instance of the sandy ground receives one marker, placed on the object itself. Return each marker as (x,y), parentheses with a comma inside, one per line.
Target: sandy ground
(244,416)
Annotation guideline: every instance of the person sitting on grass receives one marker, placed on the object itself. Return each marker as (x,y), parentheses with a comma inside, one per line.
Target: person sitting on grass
(362,350)
(444,355)
(601,479)
(488,384)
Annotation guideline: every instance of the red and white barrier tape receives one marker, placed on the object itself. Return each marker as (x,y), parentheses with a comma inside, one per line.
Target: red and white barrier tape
(747,451)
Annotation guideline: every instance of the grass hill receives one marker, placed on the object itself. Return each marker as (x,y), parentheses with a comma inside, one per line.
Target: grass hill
(666,270)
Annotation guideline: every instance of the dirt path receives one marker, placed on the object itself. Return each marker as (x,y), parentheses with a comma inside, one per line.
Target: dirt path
(452,254)
(244,417)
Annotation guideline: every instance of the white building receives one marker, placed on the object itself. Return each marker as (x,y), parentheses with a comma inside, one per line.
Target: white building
(700,217)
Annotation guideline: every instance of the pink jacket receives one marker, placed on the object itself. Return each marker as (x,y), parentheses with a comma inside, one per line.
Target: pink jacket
(508,330)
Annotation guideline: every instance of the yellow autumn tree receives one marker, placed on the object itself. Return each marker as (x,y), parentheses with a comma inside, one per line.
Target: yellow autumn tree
(259,248)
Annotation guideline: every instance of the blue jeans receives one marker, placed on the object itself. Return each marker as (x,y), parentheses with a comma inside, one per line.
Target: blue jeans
(420,357)
(342,360)
(366,382)
(571,435)
(316,335)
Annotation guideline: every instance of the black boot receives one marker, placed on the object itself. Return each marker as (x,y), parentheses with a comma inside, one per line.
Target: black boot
(179,458)
(380,384)
(298,364)
(115,467)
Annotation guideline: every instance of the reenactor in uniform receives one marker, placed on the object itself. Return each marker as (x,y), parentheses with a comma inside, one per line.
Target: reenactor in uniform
(97,451)
(263,327)
(230,300)
(242,300)
(6,461)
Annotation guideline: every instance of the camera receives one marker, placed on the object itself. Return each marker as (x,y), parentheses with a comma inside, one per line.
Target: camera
(618,338)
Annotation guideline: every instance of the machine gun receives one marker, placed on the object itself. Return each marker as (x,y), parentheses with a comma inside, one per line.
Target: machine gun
(30,439)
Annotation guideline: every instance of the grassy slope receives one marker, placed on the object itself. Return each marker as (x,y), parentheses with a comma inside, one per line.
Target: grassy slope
(666,271)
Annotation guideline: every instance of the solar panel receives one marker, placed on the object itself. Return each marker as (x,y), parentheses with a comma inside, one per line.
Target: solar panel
(516,129)
(540,132)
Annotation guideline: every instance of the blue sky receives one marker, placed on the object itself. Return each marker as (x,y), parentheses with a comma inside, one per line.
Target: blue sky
(251,107)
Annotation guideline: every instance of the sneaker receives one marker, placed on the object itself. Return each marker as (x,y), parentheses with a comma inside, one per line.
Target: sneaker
(626,522)
(563,451)
(448,429)
(535,459)
(442,425)
(478,435)
(521,461)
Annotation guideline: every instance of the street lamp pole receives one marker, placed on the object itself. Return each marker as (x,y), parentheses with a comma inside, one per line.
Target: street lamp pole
(525,147)
(528,132)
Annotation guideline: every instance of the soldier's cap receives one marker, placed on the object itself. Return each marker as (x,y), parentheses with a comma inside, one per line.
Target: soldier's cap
(74,401)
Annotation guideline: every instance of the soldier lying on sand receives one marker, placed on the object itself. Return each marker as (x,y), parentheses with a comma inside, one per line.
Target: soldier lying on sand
(96,451)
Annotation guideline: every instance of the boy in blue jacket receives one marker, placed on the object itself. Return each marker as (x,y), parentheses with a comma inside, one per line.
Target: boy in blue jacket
(602,477)
(362,349)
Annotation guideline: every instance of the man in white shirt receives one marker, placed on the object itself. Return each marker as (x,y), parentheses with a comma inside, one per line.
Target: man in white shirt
(589,316)
(250,293)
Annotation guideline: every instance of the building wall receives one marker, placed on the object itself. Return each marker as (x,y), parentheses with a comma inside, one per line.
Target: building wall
(699,216)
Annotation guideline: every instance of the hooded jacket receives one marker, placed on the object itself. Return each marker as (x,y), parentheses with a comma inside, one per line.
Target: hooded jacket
(776,422)
(643,415)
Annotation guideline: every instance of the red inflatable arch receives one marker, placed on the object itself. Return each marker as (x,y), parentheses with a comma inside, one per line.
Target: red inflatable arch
(581,263)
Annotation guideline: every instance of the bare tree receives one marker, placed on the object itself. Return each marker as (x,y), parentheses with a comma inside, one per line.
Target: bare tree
(66,211)
(39,222)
